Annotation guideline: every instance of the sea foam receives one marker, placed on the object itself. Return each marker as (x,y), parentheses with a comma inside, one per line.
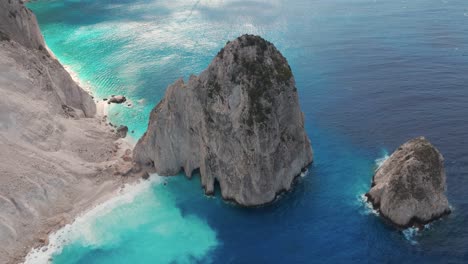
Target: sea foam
(379,162)
(81,226)
(142,219)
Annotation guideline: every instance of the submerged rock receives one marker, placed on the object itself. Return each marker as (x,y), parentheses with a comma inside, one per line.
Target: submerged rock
(239,122)
(408,189)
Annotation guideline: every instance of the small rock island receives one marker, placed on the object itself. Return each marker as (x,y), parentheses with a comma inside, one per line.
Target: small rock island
(239,123)
(408,189)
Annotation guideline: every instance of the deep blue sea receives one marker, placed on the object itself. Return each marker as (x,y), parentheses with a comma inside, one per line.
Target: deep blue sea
(371,74)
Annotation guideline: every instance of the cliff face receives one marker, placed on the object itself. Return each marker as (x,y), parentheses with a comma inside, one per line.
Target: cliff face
(239,122)
(53,160)
(19,24)
(409,187)
(23,43)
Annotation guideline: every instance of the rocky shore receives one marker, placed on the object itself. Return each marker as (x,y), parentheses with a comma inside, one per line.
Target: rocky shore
(57,157)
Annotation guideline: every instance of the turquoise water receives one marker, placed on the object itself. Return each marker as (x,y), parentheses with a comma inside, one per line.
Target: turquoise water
(370,75)
(148,227)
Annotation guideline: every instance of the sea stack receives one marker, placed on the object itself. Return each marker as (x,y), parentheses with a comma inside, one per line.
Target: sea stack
(408,189)
(239,122)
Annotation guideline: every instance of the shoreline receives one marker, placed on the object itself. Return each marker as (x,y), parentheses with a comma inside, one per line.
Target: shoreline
(61,156)
(108,190)
(123,193)
(102,109)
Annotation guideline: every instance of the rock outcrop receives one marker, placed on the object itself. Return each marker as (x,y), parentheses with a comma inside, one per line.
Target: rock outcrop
(117,99)
(239,122)
(122,131)
(408,188)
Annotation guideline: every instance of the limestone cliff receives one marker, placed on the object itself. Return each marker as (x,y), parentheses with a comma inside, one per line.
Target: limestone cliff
(19,24)
(22,42)
(408,189)
(54,159)
(239,122)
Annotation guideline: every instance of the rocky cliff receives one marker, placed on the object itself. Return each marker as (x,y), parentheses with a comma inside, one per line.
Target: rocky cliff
(19,24)
(408,189)
(22,42)
(239,122)
(55,159)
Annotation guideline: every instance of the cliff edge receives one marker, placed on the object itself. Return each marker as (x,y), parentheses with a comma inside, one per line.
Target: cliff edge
(239,122)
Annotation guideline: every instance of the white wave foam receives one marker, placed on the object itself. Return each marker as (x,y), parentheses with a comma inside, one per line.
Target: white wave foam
(81,227)
(380,161)
(366,205)
(410,234)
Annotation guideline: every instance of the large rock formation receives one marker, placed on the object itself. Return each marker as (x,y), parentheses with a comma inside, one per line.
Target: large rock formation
(408,189)
(55,159)
(239,122)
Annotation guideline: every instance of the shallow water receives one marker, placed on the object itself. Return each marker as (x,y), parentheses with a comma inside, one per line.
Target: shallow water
(370,75)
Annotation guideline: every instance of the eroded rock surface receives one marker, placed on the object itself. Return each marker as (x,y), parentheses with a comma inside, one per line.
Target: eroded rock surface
(239,122)
(409,188)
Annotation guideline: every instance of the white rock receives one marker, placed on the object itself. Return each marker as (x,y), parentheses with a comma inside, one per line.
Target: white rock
(239,122)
